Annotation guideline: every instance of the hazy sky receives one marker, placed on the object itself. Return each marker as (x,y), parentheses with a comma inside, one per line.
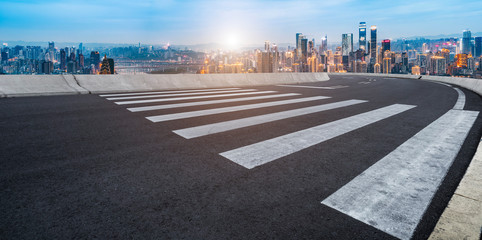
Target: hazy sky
(245,22)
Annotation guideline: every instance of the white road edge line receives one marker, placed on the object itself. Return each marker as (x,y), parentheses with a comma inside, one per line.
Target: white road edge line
(190,98)
(460,104)
(164,92)
(266,151)
(393,194)
(189,104)
(179,94)
(208,129)
(182,115)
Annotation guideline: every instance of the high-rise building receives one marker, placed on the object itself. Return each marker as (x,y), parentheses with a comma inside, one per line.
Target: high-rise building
(373,43)
(386,45)
(63,59)
(324,44)
(304,49)
(107,66)
(80,48)
(424,48)
(478,47)
(461,60)
(266,46)
(387,66)
(95,59)
(346,44)
(264,63)
(362,36)
(4,56)
(466,42)
(438,66)
(299,36)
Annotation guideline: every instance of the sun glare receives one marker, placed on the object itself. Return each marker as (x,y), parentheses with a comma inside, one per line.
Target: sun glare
(232,41)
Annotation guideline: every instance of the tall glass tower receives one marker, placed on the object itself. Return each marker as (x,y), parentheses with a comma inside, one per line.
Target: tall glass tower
(478,47)
(373,43)
(362,36)
(466,42)
(346,44)
(324,44)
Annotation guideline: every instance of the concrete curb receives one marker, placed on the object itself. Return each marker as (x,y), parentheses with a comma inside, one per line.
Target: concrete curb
(462,219)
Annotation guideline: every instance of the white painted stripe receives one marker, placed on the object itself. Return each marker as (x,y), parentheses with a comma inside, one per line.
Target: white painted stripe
(203,130)
(190,98)
(175,116)
(460,104)
(163,92)
(298,86)
(393,194)
(179,94)
(266,151)
(189,104)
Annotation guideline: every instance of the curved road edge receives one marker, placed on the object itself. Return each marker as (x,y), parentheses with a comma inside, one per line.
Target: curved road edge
(462,219)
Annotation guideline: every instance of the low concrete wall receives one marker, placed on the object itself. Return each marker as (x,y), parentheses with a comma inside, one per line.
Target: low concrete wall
(472,84)
(35,85)
(129,83)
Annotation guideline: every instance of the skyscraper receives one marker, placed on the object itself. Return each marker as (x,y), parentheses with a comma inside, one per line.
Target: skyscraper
(385,46)
(95,59)
(324,45)
(362,36)
(466,40)
(478,47)
(80,48)
(346,44)
(63,59)
(299,36)
(304,49)
(373,43)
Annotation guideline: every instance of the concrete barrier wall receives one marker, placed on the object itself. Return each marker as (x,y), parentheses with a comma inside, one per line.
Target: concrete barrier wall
(126,83)
(472,84)
(34,85)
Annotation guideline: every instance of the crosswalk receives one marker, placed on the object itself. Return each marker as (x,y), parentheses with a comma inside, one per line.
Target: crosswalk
(266,151)
(402,183)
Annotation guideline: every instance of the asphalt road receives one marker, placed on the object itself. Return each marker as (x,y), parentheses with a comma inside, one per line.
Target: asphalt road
(83,166)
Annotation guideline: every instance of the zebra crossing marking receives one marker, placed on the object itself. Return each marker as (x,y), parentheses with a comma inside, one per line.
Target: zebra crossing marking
(175,116)
(179,94)
(190,104)
(208,129)
(269,150)
(393,194)
(163,92)
(192,97)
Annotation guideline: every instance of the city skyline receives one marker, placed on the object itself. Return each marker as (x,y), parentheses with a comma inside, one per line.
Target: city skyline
(232,23)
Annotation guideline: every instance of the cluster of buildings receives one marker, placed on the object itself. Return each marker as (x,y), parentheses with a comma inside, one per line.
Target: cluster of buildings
(366,54)
(447,56)
(51,60)
(93,60)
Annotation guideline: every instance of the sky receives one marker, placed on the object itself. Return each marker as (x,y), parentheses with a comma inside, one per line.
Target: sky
(232,22)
